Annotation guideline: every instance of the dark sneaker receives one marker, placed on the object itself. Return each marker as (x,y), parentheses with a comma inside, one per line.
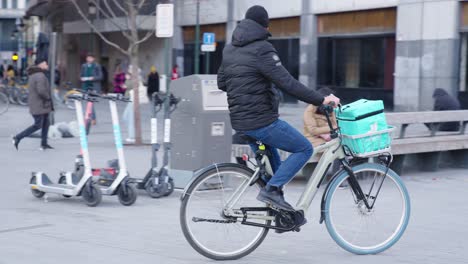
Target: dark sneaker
(45,147)
(275,197)
(15,142)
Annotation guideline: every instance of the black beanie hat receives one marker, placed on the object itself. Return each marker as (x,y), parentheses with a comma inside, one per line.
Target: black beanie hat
(258,14)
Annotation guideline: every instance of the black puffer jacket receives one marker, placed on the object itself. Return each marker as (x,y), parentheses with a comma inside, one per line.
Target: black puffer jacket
(250,64)
(444,102)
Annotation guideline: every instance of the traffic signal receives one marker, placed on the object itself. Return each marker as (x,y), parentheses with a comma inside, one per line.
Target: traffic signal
(14,57)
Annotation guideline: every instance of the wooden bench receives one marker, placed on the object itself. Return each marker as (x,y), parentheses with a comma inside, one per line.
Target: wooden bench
(428,144)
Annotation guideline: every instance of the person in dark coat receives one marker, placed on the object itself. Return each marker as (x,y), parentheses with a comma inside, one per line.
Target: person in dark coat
(40,104)
(250,65)
(444,102)
(91,77)
(153,82)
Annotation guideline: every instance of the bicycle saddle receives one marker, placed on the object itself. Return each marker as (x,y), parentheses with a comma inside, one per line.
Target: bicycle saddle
(241,138)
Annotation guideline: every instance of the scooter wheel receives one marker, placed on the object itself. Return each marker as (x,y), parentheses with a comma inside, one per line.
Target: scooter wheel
(63,180)
(170,187)
(156,190)
(36,193)
(129,197)
(92,195)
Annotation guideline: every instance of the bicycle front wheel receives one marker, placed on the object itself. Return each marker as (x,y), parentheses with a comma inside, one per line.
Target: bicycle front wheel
(207,224)
(354,226)
(4,103)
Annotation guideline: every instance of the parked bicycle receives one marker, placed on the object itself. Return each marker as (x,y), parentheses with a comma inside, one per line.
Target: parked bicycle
(4,102)
(222,219)
(17,93)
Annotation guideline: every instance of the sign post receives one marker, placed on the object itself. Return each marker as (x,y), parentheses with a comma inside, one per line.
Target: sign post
(209,45)
(165,29)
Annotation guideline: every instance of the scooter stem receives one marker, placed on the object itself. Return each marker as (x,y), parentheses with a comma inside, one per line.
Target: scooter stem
(117,135)
(83,137)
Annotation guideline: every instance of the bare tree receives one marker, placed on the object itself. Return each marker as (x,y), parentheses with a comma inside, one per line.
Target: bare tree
(123,15)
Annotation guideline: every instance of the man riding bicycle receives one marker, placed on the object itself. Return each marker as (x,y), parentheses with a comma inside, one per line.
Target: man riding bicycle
(250,64)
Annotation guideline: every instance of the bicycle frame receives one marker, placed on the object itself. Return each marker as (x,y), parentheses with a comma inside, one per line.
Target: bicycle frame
(331,151)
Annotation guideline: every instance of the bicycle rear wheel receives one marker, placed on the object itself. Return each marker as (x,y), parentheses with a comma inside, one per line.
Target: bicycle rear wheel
(358,229)
(4,103)
(22,96)
(208,227)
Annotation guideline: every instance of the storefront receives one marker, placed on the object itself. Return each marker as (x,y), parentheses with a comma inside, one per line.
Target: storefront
(356,54)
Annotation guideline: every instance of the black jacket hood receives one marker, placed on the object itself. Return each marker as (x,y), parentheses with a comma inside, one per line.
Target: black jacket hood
(439,92)
(34,69)
(248,31)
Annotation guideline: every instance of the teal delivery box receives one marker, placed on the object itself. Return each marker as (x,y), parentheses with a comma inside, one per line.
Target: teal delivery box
(363,126)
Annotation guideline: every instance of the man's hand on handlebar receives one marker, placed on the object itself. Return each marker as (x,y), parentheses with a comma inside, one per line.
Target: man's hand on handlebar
(331,100)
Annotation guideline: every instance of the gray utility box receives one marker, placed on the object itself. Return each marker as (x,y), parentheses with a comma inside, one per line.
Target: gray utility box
(201,132)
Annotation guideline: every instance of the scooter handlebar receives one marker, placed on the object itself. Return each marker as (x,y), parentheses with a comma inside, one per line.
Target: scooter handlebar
(82,97)
(174,100)
(116,97)
(88,92)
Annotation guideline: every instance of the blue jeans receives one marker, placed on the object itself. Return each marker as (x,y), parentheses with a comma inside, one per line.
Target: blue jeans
(281,135)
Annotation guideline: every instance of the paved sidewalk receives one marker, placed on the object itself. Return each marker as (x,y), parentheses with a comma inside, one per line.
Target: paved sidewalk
(67,231)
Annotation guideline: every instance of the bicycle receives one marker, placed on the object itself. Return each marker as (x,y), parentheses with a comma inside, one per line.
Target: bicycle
(21,93)
(4,103)
(222,220)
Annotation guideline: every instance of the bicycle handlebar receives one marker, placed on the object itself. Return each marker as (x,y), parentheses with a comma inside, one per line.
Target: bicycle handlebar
(327,110)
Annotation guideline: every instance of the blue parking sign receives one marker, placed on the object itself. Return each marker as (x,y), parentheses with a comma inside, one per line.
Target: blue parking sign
(208,38)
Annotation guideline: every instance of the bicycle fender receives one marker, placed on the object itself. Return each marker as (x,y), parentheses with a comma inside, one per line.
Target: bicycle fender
(202,171)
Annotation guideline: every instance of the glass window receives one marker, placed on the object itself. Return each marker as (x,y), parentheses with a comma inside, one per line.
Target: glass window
(4,4)
(366,62)
(14,4)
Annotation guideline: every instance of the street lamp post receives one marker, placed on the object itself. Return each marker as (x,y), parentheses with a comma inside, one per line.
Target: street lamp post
(197,40)
(19,30)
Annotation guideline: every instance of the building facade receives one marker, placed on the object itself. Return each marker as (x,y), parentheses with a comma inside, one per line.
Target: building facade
(395,50)
(13,31)
(76,39)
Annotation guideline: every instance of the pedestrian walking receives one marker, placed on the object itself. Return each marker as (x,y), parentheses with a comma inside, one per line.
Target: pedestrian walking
(119,80)
(153,82)
(175,72)
(40,104)
(2,71)
(128,115)
(104,80)
(91,77)
(11,75)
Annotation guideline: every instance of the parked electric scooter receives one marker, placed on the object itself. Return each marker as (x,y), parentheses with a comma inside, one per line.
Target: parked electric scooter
(113,180)
(118,183)
(158,183)
(85,187)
